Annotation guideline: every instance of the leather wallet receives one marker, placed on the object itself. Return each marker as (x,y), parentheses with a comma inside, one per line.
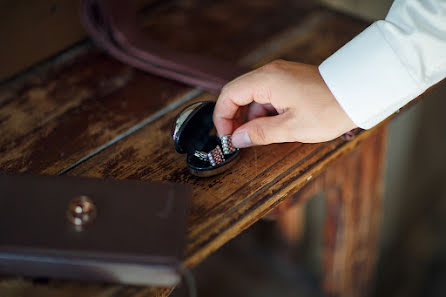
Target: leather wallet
(134,233)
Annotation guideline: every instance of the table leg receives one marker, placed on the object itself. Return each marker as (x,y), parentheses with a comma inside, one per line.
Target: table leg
(353,188)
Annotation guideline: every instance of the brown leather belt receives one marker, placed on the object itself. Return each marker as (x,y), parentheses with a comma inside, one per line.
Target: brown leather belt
(113,26)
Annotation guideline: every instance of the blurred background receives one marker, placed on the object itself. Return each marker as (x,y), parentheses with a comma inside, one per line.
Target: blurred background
(412,251)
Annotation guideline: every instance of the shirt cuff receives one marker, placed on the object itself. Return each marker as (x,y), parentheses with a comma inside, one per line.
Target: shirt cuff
(368,79)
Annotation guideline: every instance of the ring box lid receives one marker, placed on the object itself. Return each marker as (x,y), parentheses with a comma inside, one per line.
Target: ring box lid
(192,127)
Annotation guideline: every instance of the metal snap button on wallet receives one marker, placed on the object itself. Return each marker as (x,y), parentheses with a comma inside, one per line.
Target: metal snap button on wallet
(207,154)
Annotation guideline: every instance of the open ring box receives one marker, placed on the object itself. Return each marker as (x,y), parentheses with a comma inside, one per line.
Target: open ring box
(193,131)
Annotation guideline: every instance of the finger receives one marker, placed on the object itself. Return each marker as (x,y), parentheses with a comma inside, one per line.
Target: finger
(237,93)
(239,118)
(226,114)
(264,130)
(257,110)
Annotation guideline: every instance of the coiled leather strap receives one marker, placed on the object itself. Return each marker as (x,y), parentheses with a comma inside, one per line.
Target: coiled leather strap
(112,24)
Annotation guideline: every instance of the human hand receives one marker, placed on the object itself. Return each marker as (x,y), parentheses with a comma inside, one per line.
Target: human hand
(304,108)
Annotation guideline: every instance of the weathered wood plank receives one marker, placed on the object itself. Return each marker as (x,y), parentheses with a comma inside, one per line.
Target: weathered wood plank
(38,121)
(55,122)
(57,116)
(233,201)
(149,153)
(225,205)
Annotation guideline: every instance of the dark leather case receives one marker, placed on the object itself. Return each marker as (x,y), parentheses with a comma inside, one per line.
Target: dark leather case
(137,236)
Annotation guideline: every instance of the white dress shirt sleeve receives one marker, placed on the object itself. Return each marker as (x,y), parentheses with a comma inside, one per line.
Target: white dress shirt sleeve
(390,63)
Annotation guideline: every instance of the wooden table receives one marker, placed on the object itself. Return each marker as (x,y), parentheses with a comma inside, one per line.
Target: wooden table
(83,113)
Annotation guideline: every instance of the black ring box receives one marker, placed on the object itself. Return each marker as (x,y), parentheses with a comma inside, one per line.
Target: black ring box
(193,130)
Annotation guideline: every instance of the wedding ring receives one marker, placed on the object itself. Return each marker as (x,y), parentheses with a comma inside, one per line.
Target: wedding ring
(216,156)
(226,143)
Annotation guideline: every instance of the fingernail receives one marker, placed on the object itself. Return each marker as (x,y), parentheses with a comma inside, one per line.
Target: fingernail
(241,139)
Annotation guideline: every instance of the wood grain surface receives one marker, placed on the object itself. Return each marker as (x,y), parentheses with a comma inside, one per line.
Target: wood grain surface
(57,115)
(225,205)
(90,115)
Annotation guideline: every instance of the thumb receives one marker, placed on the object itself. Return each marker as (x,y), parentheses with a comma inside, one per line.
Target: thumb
(264,130)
